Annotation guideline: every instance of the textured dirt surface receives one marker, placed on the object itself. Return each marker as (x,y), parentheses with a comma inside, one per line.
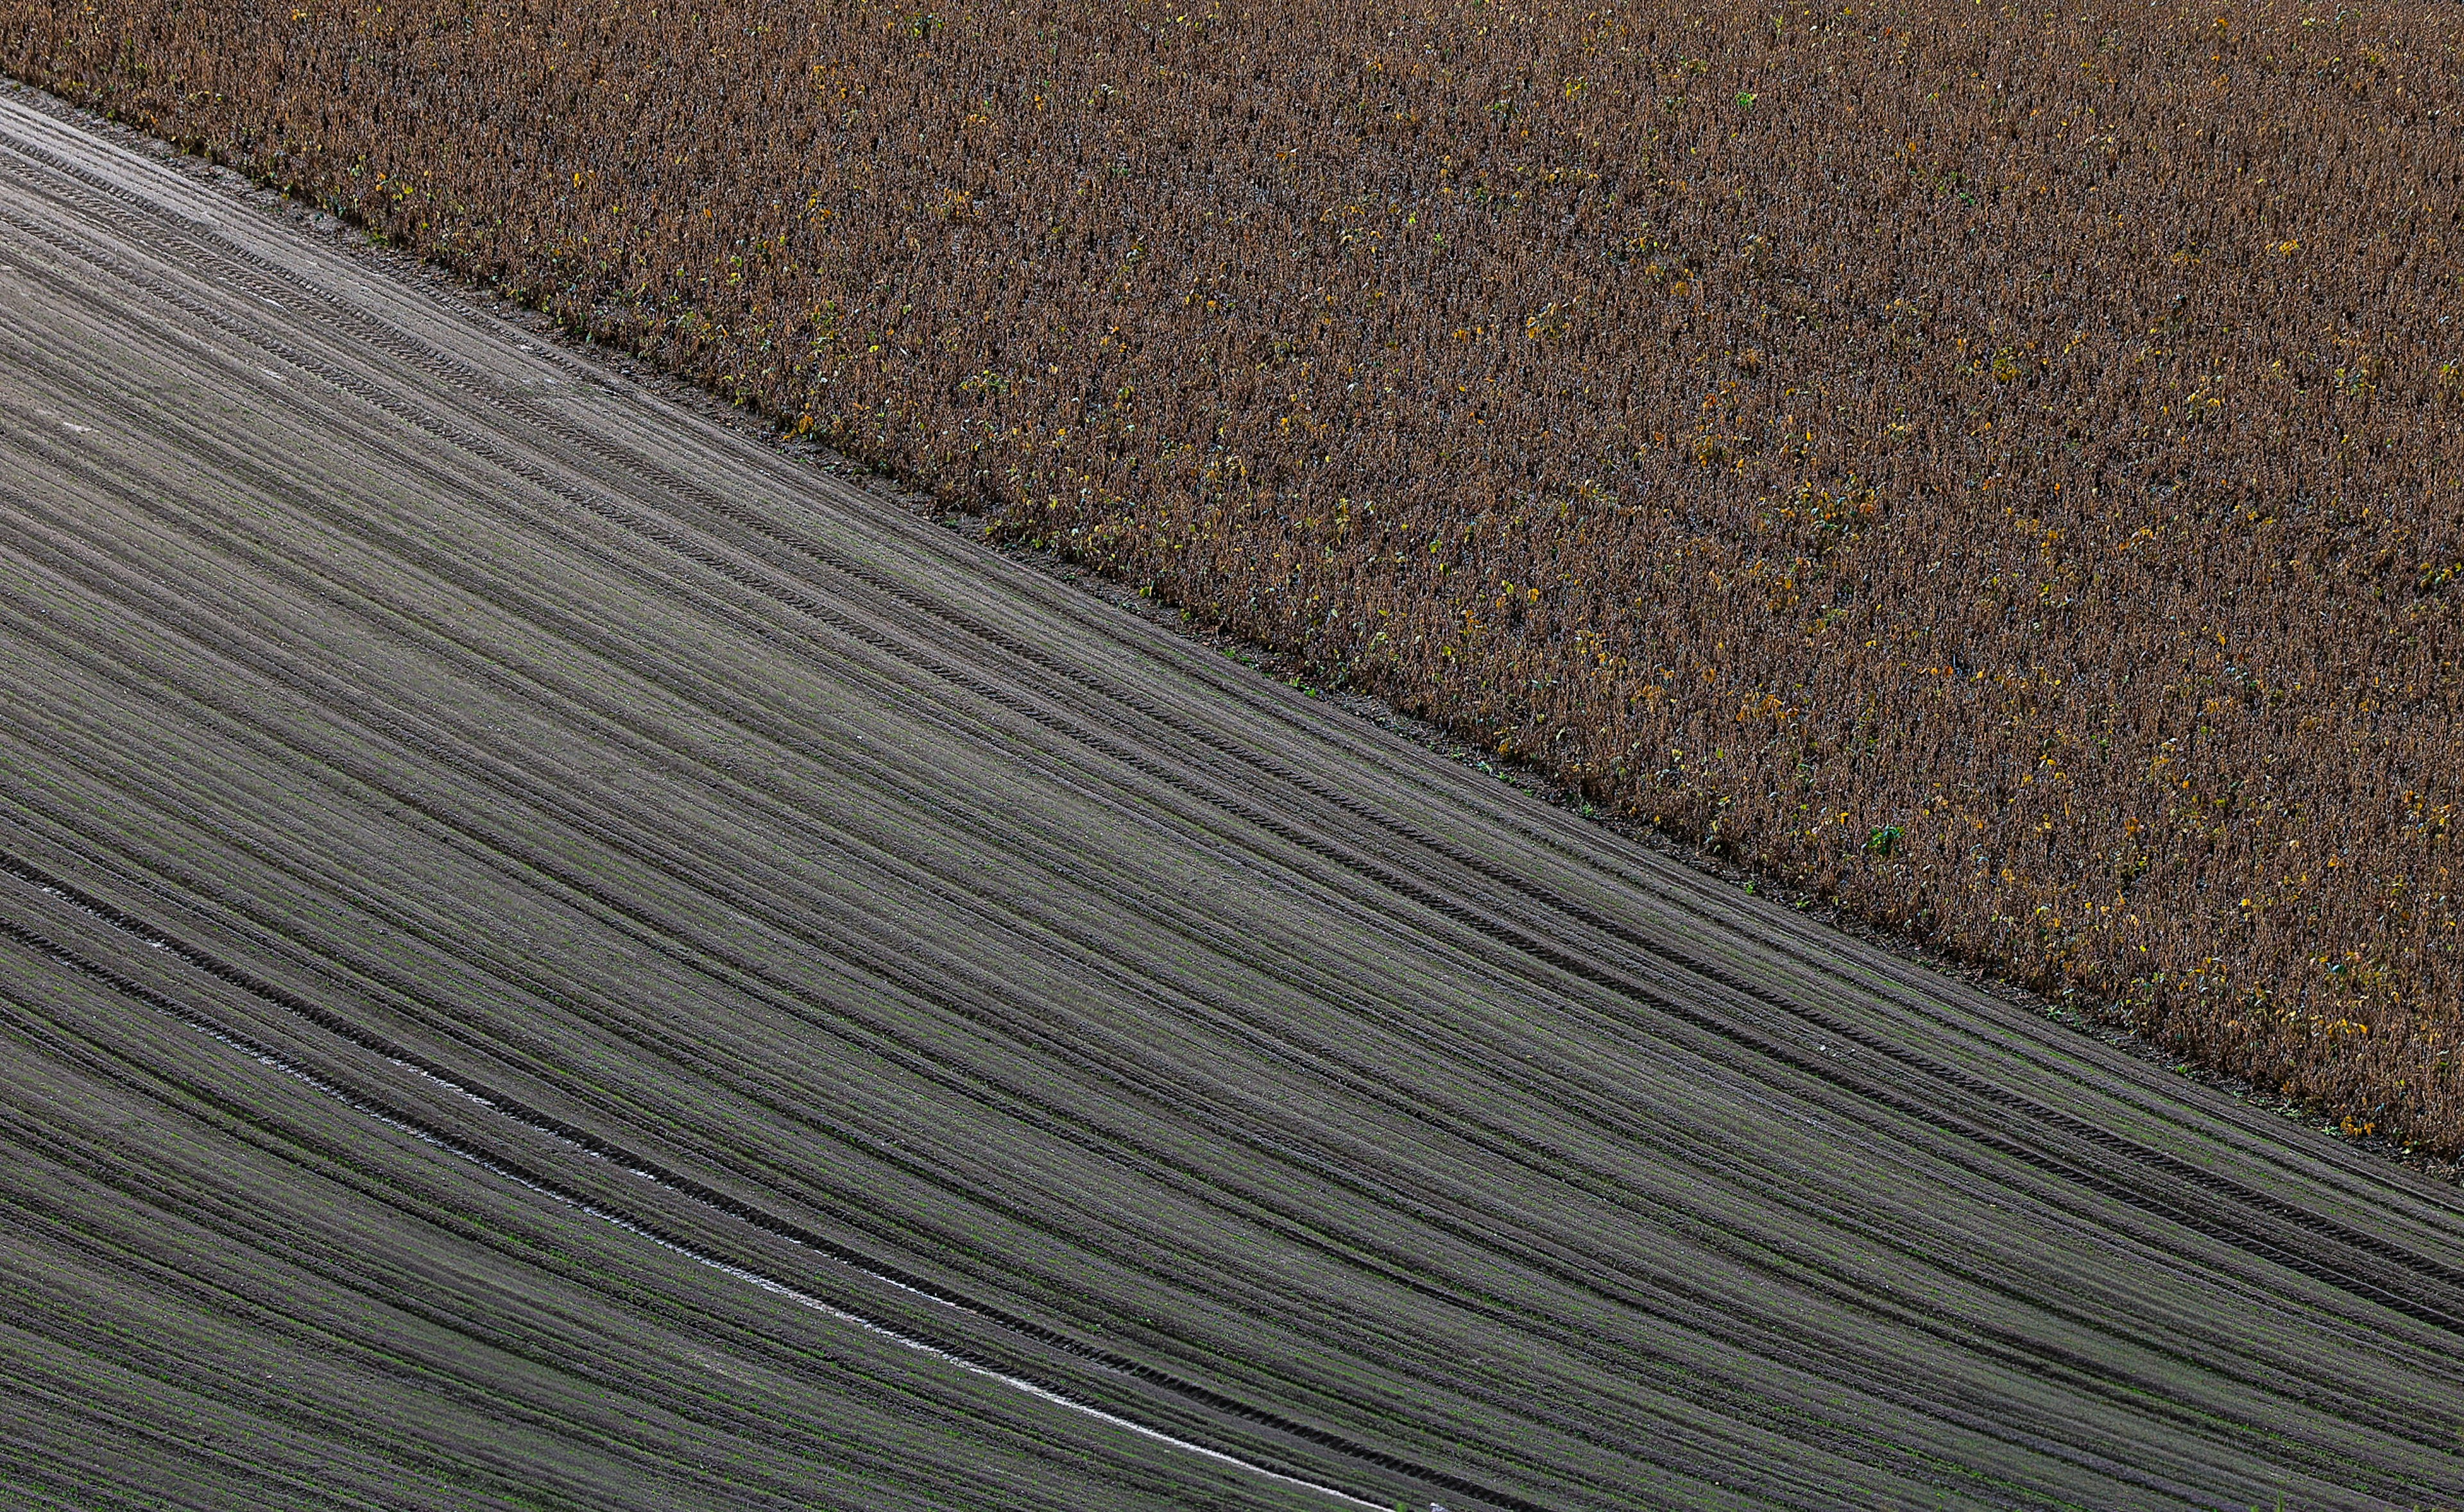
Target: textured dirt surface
(532,919)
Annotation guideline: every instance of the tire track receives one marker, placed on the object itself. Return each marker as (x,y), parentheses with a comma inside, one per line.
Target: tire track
(373,1106)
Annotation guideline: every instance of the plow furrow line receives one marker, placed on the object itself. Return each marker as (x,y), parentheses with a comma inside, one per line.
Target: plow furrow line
(370,1106)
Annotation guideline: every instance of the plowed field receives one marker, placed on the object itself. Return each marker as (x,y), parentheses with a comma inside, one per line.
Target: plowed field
(551,955)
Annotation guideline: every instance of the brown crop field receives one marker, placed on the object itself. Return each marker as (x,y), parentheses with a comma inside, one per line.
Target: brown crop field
(1995,466)
(555,955)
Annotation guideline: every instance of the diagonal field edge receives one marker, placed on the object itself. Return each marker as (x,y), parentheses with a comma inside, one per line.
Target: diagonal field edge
(1424,874)
(442,363)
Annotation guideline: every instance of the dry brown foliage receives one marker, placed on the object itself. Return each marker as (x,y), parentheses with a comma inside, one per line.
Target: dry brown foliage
(1997,466)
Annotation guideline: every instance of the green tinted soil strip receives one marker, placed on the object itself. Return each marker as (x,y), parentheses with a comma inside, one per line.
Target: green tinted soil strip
(360,1102)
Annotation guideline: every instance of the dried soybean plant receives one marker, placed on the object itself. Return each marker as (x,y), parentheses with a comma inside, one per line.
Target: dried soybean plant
(1995,466)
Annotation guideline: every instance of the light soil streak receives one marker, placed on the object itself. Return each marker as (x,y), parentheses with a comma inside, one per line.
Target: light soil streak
(205,1024)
